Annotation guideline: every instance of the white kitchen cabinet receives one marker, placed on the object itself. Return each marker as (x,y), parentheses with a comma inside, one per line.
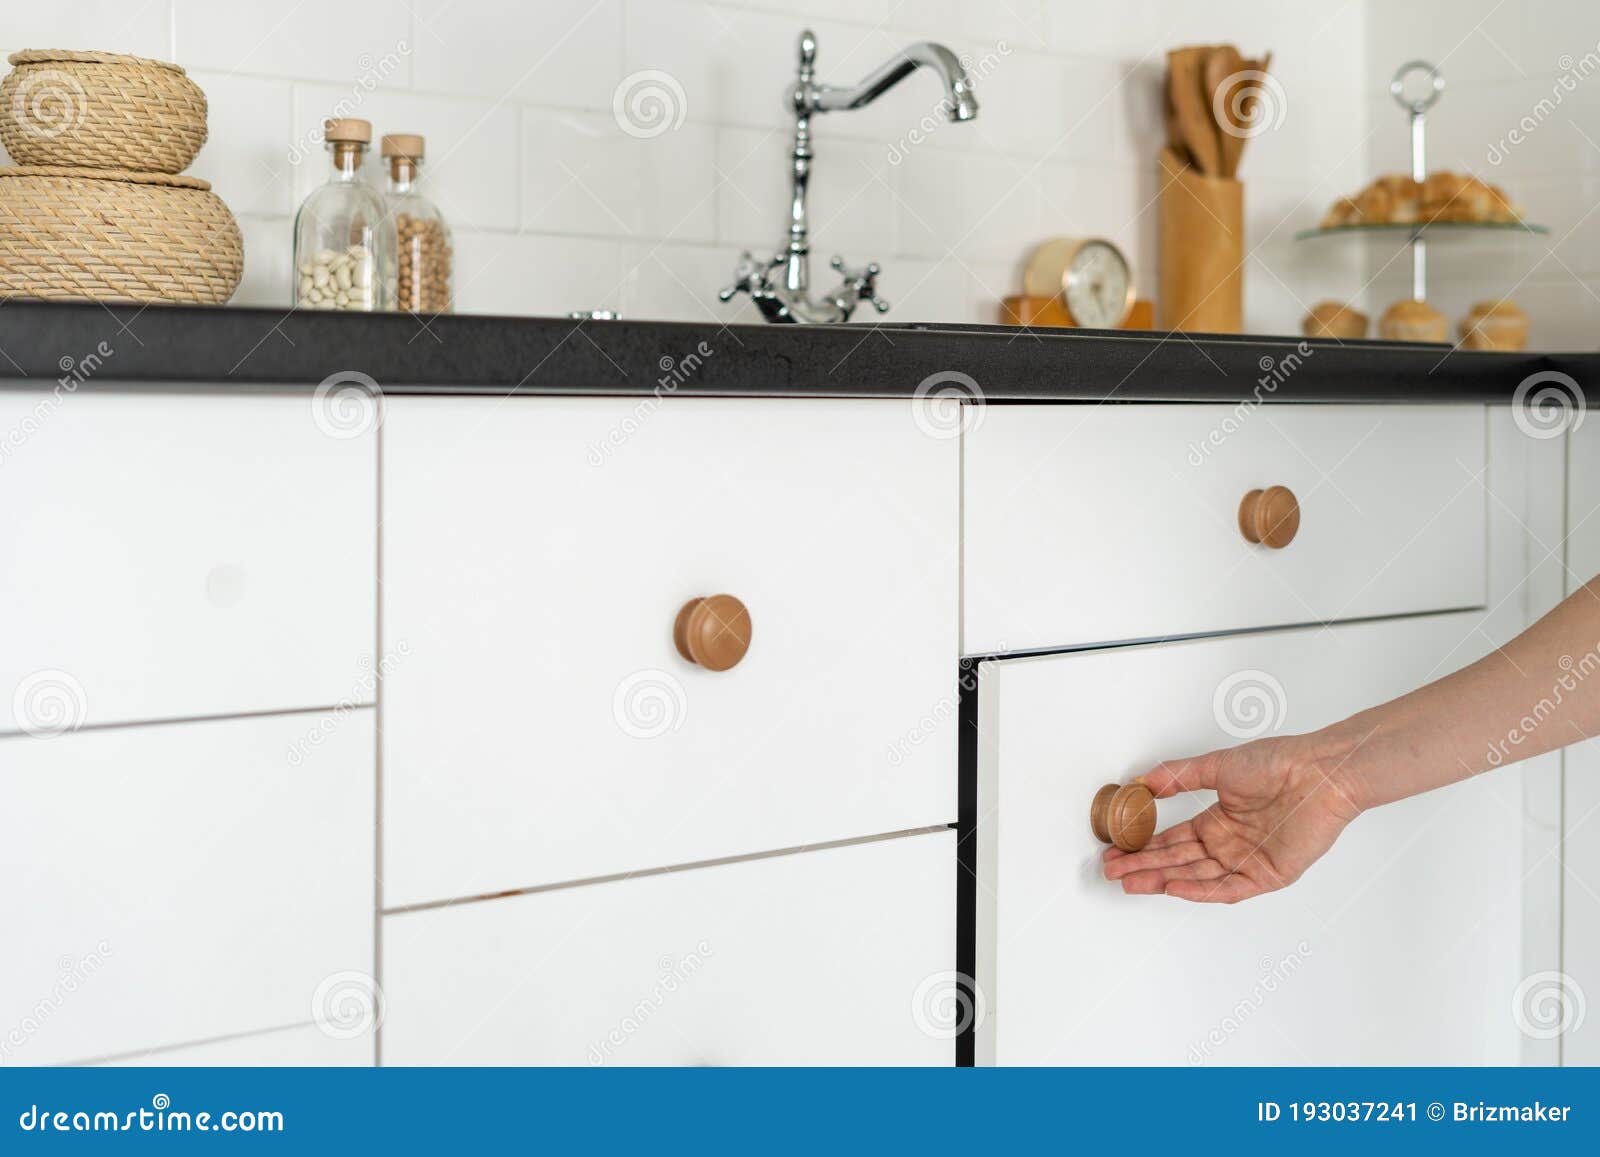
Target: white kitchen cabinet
(1401,946)
(1087,524)
(181,555)
(542,728)
(843,955)
(1580,850)
(178,882)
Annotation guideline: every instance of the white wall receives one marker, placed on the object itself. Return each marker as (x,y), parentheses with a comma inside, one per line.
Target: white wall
(556,208)
(1503,62)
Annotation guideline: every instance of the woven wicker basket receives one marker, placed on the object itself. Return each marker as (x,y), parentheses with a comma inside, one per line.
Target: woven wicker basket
(100,110)
(115,236)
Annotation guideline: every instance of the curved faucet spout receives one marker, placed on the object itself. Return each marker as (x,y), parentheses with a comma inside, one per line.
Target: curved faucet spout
(781,287)
(959,104)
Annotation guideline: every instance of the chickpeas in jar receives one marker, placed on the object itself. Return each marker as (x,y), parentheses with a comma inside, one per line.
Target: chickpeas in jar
(424,266)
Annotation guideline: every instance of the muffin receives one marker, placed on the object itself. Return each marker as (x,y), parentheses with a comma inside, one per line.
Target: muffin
(1330,319)
(1495,325)
(1413,321)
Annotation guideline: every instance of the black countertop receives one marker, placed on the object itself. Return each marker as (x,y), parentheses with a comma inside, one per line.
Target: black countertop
(195,345)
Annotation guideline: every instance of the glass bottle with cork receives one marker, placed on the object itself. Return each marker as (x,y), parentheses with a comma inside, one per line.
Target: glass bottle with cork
(425,258)
(344,239)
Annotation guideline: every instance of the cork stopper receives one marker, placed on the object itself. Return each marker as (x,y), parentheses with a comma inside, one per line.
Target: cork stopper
(407,145)
(347,130)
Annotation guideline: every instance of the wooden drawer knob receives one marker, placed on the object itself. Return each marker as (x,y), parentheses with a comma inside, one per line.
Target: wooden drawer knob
(1270,517)
(713,632)
(1123,814)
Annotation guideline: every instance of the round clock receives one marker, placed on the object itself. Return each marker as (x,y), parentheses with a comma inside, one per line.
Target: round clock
(1091,278)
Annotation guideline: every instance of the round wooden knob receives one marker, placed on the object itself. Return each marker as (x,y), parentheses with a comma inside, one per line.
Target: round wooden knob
(1124,815)
(1270,517)
(713,632)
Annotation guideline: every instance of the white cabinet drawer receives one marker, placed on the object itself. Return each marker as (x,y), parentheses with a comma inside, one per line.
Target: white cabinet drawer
(1115,523)
(837,956)
(542,727)
(180,555)
(1402,946)
(178,882)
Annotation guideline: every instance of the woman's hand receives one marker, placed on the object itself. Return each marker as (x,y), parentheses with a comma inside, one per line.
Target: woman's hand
(1281,803)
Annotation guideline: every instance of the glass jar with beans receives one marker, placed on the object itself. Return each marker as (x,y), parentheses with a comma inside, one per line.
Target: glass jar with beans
(425,257)
(344,240)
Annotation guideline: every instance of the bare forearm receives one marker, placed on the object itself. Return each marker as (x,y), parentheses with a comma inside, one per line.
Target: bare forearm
(1539,692)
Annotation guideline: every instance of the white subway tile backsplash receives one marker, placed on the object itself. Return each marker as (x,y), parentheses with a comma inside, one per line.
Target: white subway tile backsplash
(247,151)
(557,205)
(851,198)
(359,43)
(680,283)
(268,257)
(585,173)
(138,27)
(556,52)
(470,170)
(506,273)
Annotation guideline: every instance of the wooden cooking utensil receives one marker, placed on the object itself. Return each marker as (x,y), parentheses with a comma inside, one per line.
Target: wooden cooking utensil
(1249,99)
(1223,66)
(1185,67)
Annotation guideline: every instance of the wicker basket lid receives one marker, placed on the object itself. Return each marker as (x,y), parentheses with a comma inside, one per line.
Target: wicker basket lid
(171,180)
(68,56)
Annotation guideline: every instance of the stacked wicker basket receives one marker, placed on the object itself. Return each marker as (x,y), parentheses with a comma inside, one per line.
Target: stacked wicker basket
(94,207)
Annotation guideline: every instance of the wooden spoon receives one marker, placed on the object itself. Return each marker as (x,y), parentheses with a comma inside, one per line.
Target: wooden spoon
(1222,79)
(1189,102)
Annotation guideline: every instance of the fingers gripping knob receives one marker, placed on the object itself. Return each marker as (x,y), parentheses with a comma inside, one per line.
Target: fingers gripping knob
(1124,815)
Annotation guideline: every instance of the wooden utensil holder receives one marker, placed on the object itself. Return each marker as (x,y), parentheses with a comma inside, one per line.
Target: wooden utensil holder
(1202,249)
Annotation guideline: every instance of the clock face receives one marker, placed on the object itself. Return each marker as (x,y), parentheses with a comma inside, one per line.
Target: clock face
(1097,285)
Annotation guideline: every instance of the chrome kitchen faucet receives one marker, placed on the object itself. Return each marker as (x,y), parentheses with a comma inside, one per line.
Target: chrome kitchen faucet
(787,297)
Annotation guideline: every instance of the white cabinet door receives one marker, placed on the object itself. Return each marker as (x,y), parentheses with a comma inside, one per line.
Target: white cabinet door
(178,882)
(1402,946)
(1086,524)
(838,956)
(1580,853)
(541,728)
(180,555)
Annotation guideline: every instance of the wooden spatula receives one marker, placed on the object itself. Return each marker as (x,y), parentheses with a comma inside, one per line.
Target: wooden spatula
(1222,79)
(1190,101)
